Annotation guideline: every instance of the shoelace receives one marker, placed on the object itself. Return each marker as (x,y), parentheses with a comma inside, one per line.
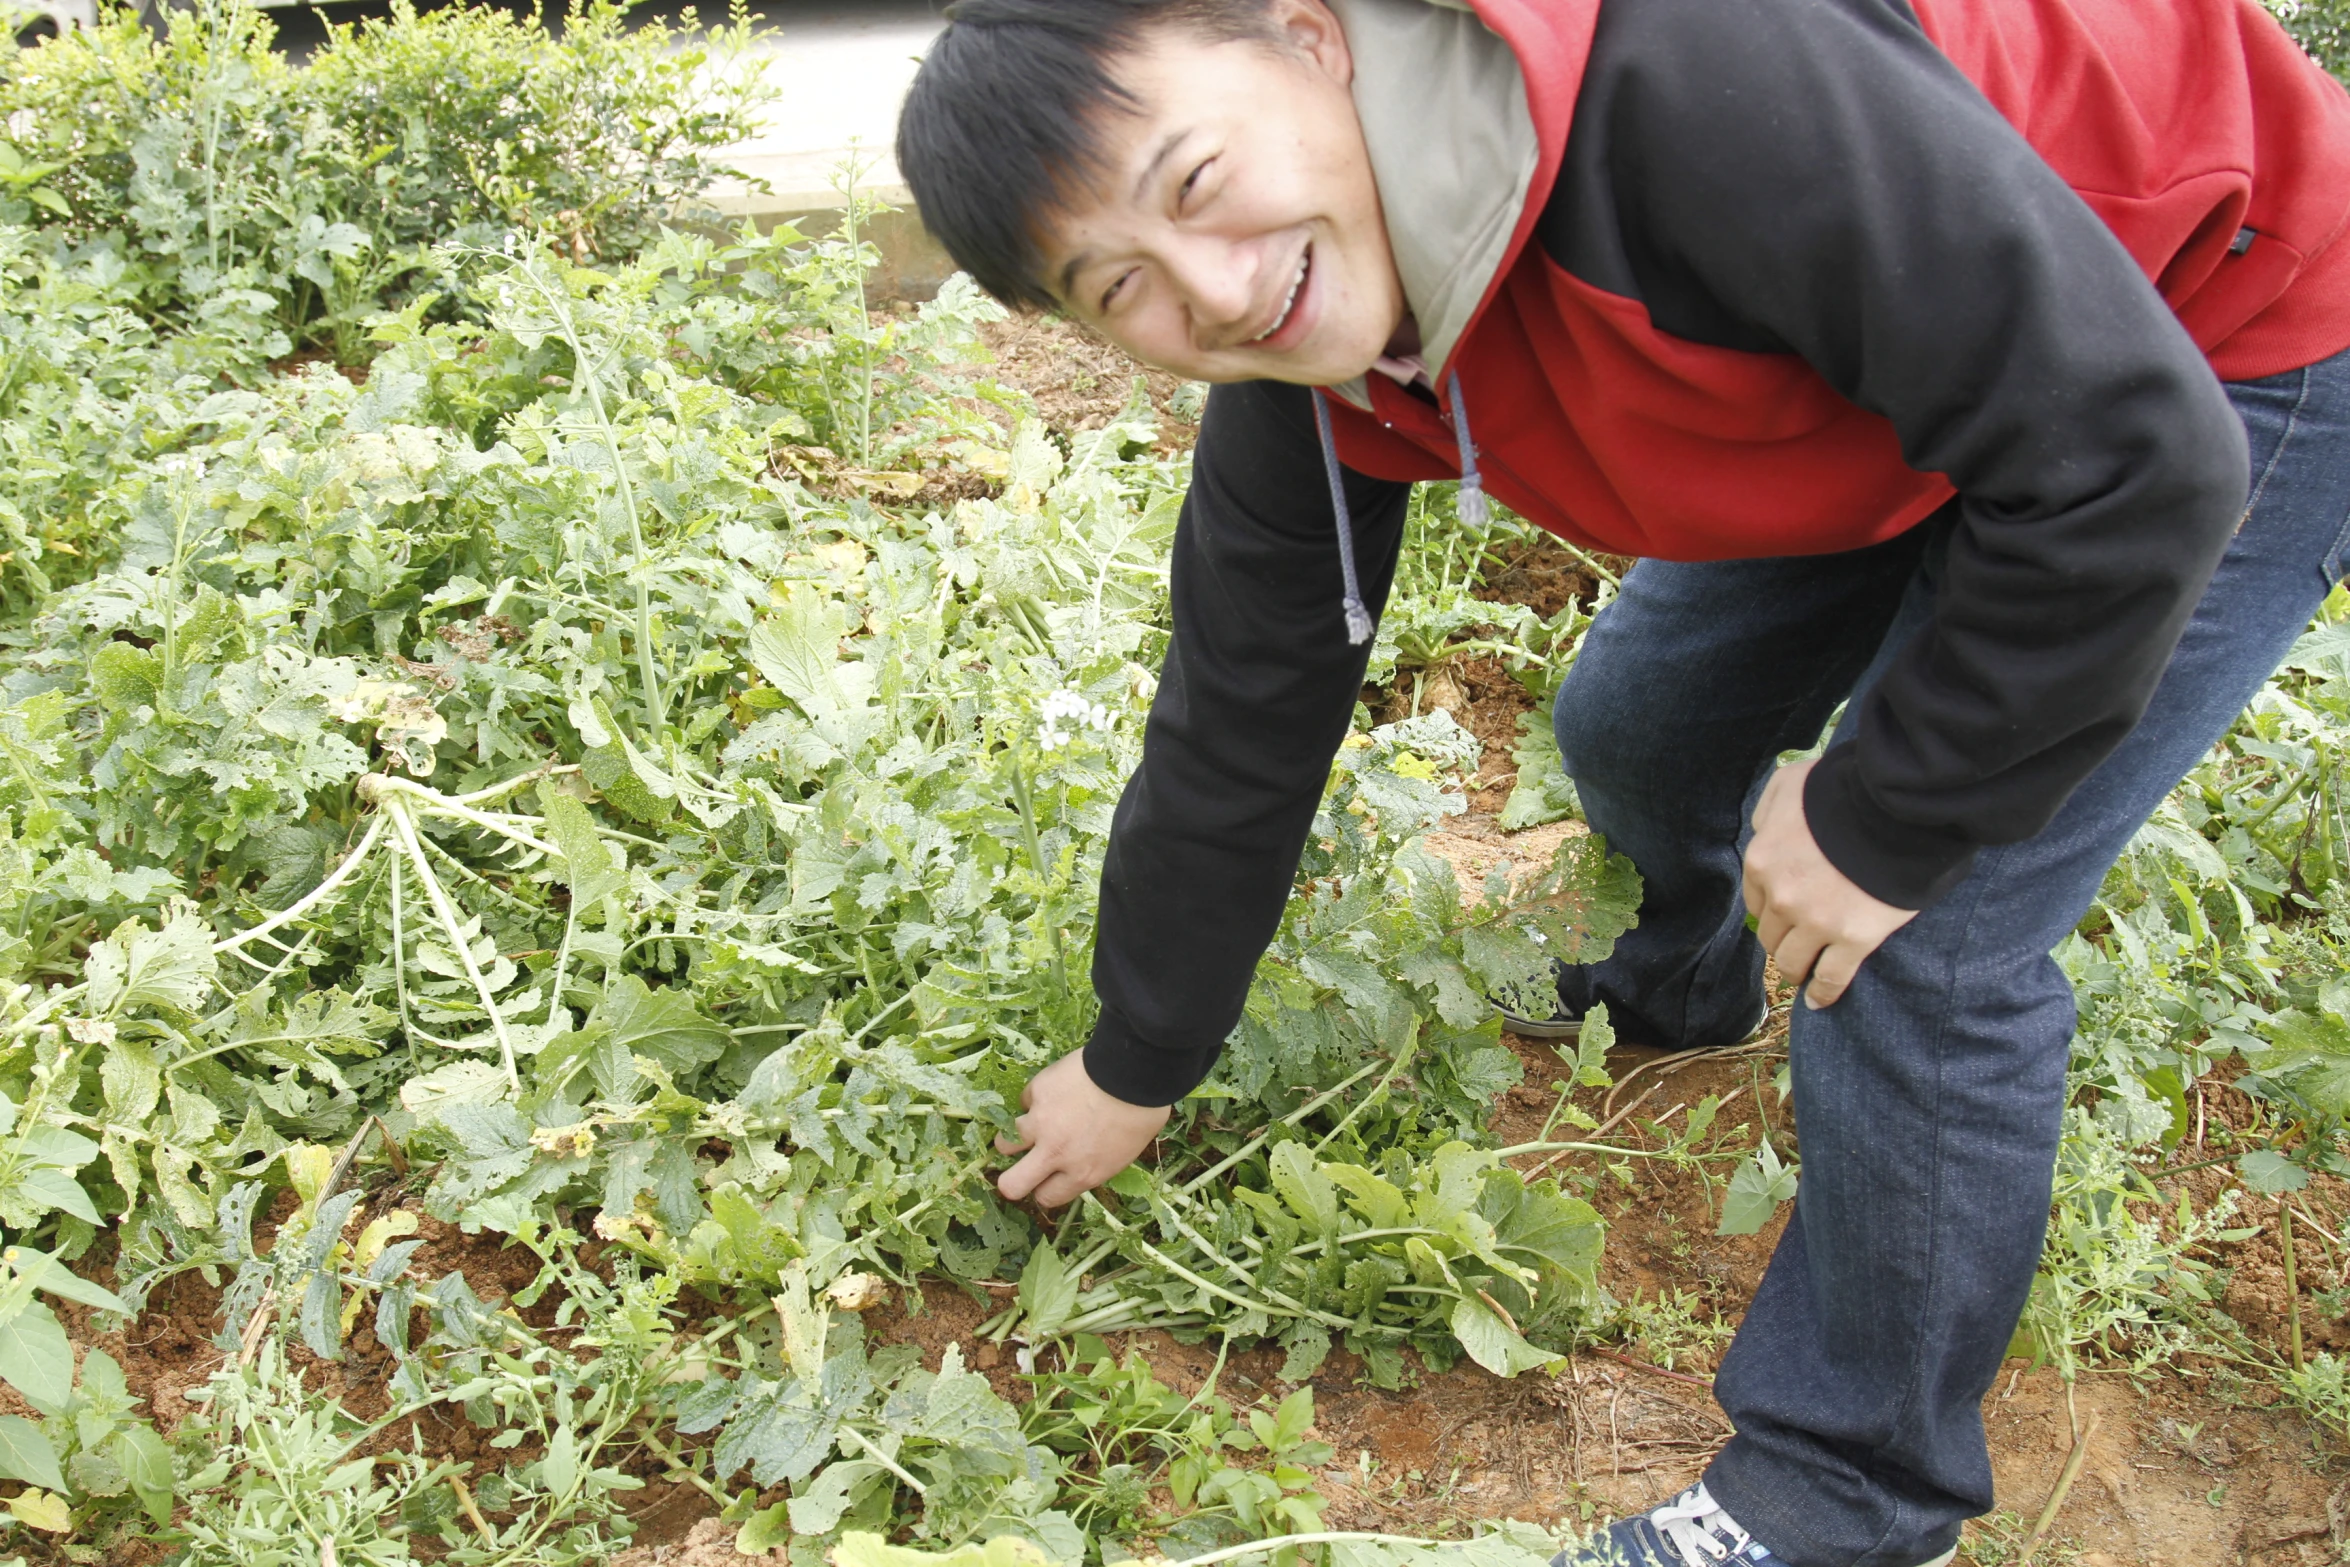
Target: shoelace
(1696,1526)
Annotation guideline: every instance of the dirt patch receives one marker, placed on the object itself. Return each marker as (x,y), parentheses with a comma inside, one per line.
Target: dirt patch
(1072,380)
(2194,1464)
(705,1543)
(1080,382)
(1475,848)
(297,363)
(1481,692)
(2174,1477)
(1544,574)
(1483,697)
(2186,1467)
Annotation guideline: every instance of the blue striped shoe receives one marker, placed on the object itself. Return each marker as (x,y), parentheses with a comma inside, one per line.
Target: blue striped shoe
(1691,1530)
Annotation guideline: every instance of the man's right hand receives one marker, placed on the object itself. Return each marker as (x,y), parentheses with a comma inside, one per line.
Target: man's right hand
(1075,1136)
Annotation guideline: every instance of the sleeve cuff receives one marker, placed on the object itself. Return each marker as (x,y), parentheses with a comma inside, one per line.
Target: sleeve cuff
(1125,1066)
(1902,863)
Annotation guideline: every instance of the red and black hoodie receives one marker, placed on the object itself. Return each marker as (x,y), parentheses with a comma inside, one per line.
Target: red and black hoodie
(1718,279)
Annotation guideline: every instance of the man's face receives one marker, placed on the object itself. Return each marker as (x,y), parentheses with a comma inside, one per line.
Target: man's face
(1236,234)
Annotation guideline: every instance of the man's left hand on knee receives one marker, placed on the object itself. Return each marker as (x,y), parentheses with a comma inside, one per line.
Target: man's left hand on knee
(1812,919)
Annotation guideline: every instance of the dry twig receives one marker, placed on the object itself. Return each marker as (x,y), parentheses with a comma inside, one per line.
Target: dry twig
(1658,1371)
(472,1511)
(2064,1485)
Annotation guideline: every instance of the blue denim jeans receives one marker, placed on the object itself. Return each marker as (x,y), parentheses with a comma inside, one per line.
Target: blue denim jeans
(1929,1098)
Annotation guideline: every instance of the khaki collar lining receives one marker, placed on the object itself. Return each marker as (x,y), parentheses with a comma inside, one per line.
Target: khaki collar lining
(1453,150)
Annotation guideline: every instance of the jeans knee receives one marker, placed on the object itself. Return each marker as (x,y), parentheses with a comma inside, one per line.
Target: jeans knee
(1598,739)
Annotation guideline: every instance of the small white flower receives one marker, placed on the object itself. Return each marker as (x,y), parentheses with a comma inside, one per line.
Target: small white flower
(1072,707)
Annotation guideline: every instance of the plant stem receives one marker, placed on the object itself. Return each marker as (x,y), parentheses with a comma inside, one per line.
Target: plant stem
(873,1022)
(1258,1141)
(562,961)
(1281,1542)
(1654,1371)
(2064,1485)
(1378,1090)
(374,786)
(1613,1150)
(171,610)
(1044,902)
(1601,572)
(316,895)
(882,1458)
(499,790)
(1275,1296)
(2292,1283)
(1189,1277)
(682,1470)
(472,1511)
(455,929)
(639,573)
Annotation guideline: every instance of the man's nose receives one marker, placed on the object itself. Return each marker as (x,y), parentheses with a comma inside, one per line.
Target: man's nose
(1218,287)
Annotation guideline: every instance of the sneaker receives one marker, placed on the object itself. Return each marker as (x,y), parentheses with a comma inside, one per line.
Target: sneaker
(1691,1530)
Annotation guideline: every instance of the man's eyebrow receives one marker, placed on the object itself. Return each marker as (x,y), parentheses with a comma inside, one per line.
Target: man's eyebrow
(1142,183)
(1069,271)
(1150,170)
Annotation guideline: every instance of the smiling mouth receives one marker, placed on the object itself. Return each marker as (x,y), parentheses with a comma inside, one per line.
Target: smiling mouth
(1305,264)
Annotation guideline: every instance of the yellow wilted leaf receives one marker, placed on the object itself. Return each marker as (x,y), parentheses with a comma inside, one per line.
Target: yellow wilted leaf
(45,1510)
(858,1549)
(308,1166)
(380,1232)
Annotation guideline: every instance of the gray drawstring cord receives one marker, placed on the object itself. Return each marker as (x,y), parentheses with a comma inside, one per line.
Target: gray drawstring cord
(1472,500)
(1358,619)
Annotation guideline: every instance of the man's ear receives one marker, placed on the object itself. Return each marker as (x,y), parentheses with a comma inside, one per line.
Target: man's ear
(1311,28)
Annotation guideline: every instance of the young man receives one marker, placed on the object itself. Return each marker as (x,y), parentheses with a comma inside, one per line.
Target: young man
(1981,362)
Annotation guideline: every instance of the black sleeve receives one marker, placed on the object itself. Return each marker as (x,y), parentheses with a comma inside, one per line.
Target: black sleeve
(1814,175)
(1258,688)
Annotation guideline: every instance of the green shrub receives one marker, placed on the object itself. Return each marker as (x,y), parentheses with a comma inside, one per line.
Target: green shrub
(2323,26)
(282,206)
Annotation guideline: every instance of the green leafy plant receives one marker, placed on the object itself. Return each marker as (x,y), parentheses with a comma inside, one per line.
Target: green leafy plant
(2322,26)
(89,1447)
(274,206)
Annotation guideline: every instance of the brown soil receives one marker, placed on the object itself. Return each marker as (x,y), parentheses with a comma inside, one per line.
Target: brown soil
(1071,380)
(2193,1464)
(1482,697)
(1481,693)
(1078,381)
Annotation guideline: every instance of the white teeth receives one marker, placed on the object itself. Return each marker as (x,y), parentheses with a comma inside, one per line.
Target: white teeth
(1288,304)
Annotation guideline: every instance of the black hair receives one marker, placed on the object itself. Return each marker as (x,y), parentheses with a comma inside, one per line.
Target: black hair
(1002,126)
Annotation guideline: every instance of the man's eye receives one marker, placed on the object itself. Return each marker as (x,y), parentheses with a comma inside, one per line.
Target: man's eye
(1114,290)
(1191,180)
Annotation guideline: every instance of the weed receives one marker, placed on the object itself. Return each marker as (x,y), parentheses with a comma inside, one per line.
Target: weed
(1678,1328)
